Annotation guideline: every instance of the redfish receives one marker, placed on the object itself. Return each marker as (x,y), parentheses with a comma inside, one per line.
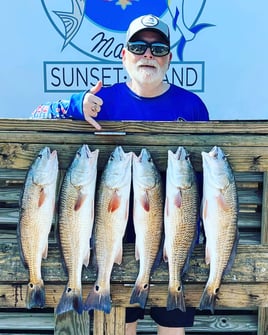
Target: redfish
(112,208)
(76,216)
(148,221)
(220,215)
(36,216)
(180,222)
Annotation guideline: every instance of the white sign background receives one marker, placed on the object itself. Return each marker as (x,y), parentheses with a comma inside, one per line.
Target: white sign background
(235,53)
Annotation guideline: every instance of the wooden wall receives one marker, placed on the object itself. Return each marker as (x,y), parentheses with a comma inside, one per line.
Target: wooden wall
(243,296)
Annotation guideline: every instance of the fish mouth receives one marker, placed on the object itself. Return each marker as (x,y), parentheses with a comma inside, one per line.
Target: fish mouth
(181,154)
(214,152)
(144,155)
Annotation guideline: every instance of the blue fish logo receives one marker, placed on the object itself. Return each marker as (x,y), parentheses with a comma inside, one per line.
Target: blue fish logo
(177,12)
(72,20)
(182,16)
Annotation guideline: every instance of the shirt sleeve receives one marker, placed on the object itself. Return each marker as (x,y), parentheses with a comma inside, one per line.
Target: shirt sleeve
(62,109)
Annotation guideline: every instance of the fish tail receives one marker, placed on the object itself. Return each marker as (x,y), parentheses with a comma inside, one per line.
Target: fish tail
(175,300)
(35,296)
(71,300)
(139,295)
(98,300)
(208,301)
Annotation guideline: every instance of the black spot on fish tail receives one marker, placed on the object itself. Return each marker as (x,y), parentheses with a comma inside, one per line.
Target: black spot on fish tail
(175,300)
(35,296)
(208,301)
(98,300)
(139,295)
(71,300)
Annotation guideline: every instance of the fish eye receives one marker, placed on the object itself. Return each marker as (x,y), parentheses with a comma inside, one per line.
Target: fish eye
(40,156)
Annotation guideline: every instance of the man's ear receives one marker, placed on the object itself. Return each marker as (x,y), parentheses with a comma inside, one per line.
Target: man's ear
(170,58)
(123,55)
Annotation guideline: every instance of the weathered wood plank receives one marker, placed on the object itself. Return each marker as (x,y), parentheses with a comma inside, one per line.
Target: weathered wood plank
(247,295)
(109,324)
(72,323)
(245,286)
(137,139)
(210,127)
(263,312)
(250,266)
(246,322)
(245,159)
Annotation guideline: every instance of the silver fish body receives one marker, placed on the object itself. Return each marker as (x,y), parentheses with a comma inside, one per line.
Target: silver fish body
(36,216)
(180,222)
(220,216)
(76,216)
(112,208)
(148,221)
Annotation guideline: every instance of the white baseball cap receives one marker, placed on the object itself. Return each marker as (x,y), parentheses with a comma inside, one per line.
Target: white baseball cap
(148,22)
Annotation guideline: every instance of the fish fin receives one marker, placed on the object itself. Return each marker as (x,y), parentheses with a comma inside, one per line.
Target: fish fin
(178,200)
(187,261)
(20,247)
(175,300)
(208,301)
(167,206)
(232,255)
(207,256)
(35,296)
(45,252)
(119,256)
(159,255)
(204,209)
(165,256)
(71,300)
(140,294)
(127,210)
(98,300)
(114,202)
(145,202)
(79,202)
(137,254)
(42,197)
(222,202)
(92,210)
(86,259)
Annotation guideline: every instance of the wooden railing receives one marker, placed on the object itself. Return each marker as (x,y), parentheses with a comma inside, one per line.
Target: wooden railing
(246,143)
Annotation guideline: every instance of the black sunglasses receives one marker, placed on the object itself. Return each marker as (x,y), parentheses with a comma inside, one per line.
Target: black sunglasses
(140,47)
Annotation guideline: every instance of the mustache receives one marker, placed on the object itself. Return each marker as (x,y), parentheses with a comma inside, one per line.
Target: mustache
(148,62)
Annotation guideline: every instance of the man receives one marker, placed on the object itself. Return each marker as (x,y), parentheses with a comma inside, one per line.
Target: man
(146,57)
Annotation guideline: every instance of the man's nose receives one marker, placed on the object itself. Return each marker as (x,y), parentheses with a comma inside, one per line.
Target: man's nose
(148,53)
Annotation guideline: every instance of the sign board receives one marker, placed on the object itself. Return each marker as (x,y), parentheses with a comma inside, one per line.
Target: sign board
(53,48)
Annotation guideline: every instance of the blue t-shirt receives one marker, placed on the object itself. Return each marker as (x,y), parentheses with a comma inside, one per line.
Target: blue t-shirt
(122,104)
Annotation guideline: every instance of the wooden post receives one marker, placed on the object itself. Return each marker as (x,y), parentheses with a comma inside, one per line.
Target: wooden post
(109,324)
(72,323)
(262,311)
